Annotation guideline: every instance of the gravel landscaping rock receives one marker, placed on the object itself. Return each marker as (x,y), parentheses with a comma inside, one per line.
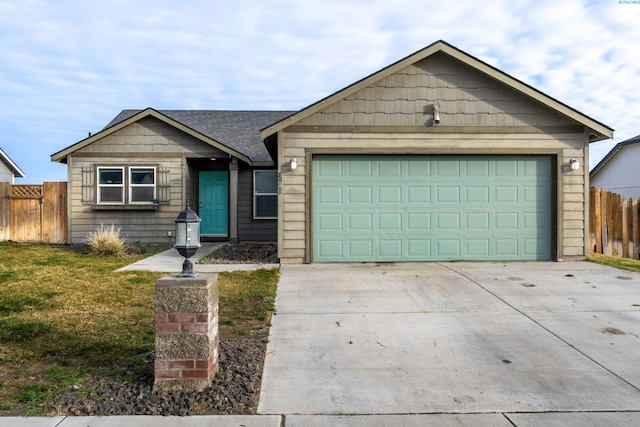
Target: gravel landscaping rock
(243,253)
(234,390)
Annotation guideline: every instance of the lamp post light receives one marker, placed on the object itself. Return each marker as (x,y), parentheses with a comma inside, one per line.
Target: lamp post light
(187,239)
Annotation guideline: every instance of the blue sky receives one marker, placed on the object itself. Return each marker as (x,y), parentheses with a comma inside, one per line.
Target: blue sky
(67,67)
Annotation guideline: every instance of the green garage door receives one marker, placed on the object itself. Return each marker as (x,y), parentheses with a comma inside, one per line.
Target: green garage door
(431,208)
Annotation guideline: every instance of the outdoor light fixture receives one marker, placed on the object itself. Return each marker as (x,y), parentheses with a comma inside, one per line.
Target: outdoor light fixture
(575,164)
(436,114)
(187,239)
(293,164)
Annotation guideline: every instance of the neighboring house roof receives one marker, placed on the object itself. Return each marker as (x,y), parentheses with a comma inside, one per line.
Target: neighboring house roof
(619,146)
(235,132)
(598,131)
(4,158)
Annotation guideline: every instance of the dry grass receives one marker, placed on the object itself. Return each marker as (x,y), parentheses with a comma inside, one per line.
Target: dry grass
(107,241)
(64,314)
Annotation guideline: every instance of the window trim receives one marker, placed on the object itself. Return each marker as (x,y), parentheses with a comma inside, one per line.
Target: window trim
(131,186)
(256,194)
(126,187)
(100,186)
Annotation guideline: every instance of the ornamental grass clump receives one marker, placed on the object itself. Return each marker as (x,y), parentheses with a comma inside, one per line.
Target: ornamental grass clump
(107,242)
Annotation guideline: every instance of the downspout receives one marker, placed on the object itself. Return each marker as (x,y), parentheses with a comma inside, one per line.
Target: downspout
(183,166)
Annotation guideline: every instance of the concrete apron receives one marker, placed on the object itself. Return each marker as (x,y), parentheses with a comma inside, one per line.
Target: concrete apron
(476,338)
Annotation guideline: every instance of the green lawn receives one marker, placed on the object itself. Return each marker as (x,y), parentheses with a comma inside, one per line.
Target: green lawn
(64,314)
(612,261)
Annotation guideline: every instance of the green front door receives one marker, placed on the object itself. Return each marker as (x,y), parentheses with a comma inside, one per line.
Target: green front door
(214,203)
(431,208)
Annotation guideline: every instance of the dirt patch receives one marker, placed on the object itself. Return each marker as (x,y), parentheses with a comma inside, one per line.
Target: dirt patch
(612,331)
(243,253)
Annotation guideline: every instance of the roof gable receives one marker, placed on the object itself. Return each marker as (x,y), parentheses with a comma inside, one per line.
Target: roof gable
(234,132)
(598,130)
(11,166)
(612,153)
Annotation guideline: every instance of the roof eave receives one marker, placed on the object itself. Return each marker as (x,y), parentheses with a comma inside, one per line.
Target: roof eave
(61,156)
(13,167)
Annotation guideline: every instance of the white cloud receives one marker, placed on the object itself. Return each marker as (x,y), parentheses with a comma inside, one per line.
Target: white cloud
(69,66)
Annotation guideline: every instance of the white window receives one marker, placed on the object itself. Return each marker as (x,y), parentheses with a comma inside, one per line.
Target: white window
(118,185)
(142,185)
(111,185)
(265,194)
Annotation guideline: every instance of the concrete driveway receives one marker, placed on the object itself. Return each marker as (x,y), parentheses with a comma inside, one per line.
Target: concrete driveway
(498,342)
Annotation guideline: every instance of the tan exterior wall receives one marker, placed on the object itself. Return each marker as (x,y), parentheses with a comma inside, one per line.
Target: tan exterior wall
(294,238)
(467,98)
(148,142)
(479,115)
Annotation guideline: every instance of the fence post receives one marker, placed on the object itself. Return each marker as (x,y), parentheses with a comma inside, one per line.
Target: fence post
(635,228)
(5,209)
(625,227)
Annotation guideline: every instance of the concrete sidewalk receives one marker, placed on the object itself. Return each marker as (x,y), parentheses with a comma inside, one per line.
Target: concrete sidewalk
(579,419)
(170,261)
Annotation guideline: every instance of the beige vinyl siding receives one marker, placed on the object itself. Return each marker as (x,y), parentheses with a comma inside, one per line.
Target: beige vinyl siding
(479,115)
(467,98)
(571,196)
(147,142)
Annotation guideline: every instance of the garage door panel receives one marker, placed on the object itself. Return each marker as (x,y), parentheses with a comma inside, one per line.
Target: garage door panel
(360,248)
(418,194)
(477,194)
(328,222)
(360,222)
(390,222)
(478,221)
(360,194)
(359,168)
(389,194)
(328,195)
(506,194)
(419,249)
(478,168)
(506,221)
(448,194)
(422,208)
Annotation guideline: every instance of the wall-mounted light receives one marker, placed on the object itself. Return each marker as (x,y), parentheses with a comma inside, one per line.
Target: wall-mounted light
(575,164)
(436,114)
(293,164)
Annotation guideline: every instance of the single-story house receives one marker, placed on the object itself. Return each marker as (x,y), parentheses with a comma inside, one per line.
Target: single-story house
(8,169)
(438,156)
(618,170)
(145,166)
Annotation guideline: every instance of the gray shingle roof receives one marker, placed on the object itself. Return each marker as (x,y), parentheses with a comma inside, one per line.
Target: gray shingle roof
(238,130)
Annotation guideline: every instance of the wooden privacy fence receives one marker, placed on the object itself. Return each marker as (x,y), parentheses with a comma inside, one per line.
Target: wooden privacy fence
(614,226)
(34,213)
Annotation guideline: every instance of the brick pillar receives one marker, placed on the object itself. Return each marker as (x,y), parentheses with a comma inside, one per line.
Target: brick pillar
(186,332)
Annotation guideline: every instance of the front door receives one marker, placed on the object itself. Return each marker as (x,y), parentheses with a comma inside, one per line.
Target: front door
(214,203)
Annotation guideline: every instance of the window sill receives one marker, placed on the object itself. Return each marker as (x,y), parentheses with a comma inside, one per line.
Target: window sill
(125,207)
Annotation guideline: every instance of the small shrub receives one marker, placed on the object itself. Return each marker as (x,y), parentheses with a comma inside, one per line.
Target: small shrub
(107,242)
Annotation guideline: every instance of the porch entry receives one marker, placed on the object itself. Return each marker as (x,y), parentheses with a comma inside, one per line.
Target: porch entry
(214,203)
